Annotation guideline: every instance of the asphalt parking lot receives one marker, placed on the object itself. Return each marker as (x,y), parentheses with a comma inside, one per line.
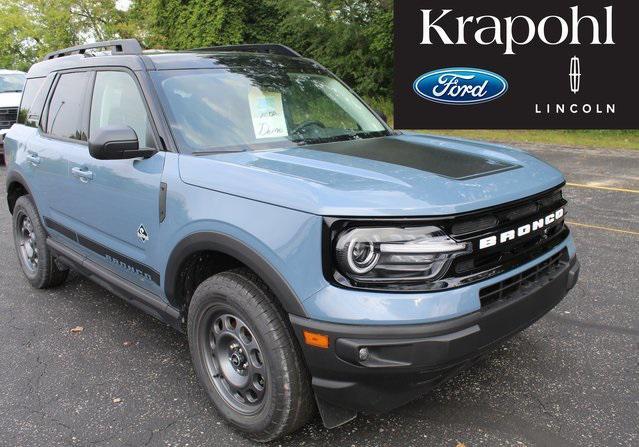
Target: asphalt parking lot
(572,379)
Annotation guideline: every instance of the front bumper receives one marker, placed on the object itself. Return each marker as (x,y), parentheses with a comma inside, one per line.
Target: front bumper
(406,361)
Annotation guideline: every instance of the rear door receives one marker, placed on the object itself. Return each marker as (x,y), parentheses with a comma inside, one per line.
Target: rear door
(63,136)
(31,106)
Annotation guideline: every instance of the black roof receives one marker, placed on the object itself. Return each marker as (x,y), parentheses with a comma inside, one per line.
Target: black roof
(128,53)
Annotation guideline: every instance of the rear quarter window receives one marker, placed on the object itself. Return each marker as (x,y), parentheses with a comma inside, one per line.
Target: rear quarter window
(32,102)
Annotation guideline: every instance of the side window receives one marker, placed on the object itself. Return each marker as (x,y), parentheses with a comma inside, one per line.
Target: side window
(117,102)
(32,102)
(65,109)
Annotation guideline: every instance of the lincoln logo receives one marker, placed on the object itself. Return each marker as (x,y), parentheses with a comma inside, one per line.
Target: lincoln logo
(523,230)
(575,74)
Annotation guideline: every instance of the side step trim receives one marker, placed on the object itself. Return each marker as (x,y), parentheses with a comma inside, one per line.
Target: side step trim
(131,293)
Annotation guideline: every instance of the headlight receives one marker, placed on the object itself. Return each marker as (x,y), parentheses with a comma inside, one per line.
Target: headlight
(370,256)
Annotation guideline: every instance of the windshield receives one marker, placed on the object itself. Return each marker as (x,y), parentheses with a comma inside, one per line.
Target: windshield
(11,82)
(240,109)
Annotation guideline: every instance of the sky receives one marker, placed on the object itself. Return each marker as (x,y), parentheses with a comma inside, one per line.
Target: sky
(123,4)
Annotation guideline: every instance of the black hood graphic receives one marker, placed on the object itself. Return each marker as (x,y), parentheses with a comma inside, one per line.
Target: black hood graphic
(428,157)
(401,175)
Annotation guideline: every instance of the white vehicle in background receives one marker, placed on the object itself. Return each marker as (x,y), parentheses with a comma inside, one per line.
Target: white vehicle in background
(11,85)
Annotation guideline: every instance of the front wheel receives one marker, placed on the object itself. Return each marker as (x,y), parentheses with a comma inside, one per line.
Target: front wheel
(246,358)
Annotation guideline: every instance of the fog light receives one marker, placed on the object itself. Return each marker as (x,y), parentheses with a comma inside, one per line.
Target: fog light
(363,354)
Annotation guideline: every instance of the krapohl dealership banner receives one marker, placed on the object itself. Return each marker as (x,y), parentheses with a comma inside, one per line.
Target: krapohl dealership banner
(559,64)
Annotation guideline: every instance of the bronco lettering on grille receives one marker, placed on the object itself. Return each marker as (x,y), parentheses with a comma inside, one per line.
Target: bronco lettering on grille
(523,230)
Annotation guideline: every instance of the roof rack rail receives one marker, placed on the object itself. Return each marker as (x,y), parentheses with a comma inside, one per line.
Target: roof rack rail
(269,48)
(122,46)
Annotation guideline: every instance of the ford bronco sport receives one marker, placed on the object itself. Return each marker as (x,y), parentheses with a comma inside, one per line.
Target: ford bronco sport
(315,258)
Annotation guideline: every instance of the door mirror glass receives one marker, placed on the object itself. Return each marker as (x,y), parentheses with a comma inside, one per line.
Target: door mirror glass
(116,143)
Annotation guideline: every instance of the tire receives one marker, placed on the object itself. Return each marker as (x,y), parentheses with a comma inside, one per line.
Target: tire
(234,326)
(30,239)
(2,162)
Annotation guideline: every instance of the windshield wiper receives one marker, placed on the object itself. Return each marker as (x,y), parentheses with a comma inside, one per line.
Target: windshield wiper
(320,140)
(362,135)
(11,91)
(371,134)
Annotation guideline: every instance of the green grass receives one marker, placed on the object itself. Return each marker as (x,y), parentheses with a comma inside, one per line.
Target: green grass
(609,139)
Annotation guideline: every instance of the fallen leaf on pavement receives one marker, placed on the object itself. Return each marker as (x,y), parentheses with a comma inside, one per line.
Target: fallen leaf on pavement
(117,400)
(77,330)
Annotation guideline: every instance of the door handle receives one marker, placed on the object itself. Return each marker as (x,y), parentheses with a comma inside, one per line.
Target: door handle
(33,159)
(82,174)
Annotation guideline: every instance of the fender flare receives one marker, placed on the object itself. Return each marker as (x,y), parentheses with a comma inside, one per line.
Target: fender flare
(16,177)
(237,249)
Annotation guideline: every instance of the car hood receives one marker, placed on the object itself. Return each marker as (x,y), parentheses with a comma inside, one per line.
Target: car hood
(10,99)
(401,175)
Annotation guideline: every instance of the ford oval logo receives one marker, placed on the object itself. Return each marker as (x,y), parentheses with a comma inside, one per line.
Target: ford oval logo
(460,86)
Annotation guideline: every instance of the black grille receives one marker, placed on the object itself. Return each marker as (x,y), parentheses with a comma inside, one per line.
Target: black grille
(472,226)
(481,264)
(8,116)
(503,217)
(543,272)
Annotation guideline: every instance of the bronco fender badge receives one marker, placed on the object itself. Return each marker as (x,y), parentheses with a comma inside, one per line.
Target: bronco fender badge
(142,234)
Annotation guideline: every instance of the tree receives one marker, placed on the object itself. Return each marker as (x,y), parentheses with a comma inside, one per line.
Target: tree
(31,28)
(353,38)
(178,24)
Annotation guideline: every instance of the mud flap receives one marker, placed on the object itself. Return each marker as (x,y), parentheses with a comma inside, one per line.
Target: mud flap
(333,416)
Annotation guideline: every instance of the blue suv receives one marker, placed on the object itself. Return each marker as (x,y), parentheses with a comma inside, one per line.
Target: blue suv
(315,258)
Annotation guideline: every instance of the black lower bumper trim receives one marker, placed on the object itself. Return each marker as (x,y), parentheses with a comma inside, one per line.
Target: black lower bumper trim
(401,363)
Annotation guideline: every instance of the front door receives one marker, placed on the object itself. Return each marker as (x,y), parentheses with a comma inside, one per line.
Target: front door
(117,214)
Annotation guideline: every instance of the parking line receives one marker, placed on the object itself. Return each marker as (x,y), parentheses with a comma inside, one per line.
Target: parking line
(597,227)
(605,188)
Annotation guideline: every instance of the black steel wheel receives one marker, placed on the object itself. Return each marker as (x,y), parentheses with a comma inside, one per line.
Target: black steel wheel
(30,239)
(26,241)
(235,362)
(246,358)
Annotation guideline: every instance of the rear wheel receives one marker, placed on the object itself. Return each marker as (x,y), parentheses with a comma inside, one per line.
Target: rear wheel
(246,358)
(30,239)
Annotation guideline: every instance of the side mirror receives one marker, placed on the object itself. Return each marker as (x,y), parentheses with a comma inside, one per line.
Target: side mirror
(382,115)
(117,143)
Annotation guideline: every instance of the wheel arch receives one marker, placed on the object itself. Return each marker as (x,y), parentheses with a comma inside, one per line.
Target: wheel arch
(17,187)
(238,250)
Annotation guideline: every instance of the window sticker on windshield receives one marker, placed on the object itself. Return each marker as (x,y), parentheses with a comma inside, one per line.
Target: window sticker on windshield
(267,113)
